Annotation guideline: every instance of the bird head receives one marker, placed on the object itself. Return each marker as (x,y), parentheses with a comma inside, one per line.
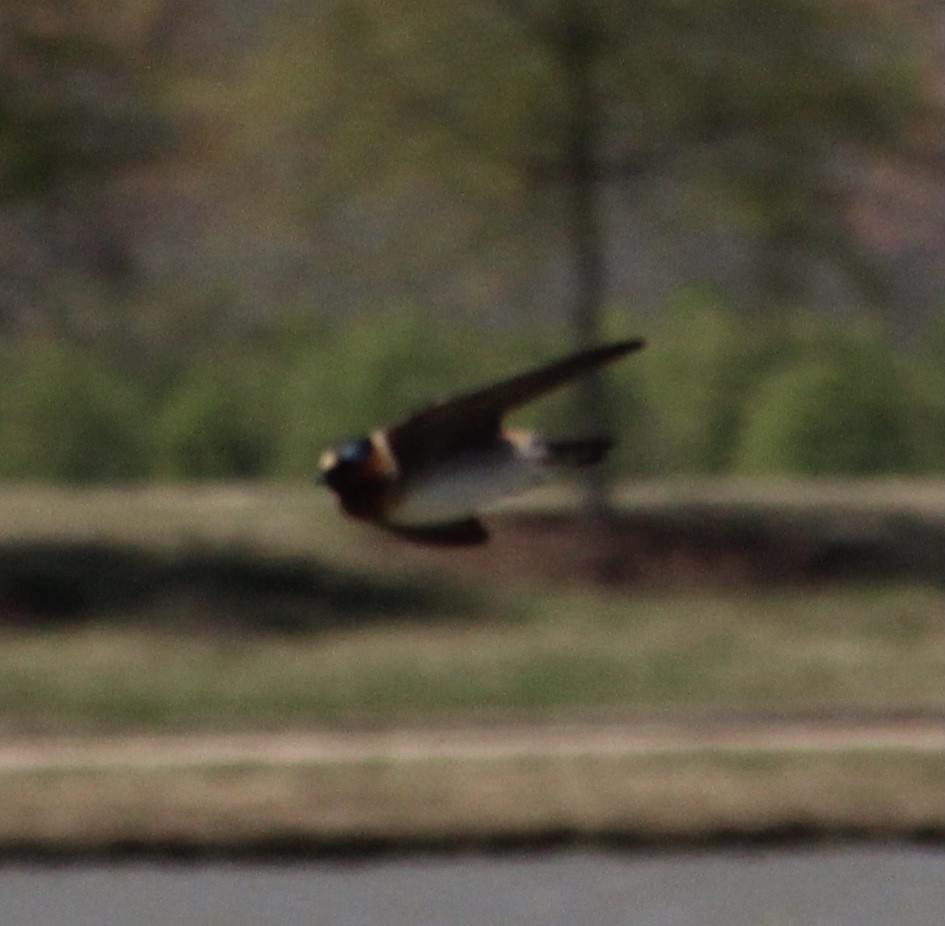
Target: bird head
(346,466)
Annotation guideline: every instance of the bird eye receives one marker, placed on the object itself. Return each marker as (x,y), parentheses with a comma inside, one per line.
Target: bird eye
(356,451)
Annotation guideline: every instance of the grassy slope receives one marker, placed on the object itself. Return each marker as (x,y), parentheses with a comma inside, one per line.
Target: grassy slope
(524,650)
(536,652)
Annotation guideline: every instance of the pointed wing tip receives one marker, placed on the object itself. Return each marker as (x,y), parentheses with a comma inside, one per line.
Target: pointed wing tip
(445,423)
(630,345)
(607,353)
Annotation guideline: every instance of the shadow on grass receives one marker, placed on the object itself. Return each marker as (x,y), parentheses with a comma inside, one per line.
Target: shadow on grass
(731,546)
(47,584)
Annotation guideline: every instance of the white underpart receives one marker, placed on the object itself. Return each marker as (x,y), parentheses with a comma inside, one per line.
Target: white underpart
(471,484)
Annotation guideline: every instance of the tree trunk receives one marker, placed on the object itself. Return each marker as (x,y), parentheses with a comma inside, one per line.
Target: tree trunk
(580,48)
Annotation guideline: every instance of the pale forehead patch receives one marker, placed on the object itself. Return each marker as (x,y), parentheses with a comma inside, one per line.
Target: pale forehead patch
(328,460)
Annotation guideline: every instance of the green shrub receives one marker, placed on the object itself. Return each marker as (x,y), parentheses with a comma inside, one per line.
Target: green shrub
(65,416)
(849,407)
(218,421)
(701,363)
(714,392)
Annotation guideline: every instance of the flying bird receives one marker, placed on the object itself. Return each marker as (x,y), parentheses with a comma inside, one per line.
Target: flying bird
(427,478)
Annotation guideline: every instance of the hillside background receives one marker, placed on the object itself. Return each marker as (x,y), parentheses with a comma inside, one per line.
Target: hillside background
(231,233)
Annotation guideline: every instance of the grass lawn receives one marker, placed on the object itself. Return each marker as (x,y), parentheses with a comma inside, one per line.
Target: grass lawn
(352,806)
(532,653)
(538,656)
(383,642)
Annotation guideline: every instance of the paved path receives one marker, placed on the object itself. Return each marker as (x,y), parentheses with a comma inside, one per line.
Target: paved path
(603,738)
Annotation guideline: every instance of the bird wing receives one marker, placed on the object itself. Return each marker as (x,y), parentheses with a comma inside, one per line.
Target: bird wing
(440,428)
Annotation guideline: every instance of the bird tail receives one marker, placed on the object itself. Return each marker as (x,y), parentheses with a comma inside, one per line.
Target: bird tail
(584,452)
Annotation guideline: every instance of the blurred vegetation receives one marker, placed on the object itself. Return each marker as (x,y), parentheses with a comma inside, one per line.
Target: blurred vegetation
(225,229)
(513,118)
(527,159)
(716,392)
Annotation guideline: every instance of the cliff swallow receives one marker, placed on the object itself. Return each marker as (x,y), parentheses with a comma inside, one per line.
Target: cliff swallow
(427,478)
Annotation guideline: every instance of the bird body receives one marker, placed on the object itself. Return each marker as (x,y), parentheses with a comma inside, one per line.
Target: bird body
(474,479)
(428,477)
